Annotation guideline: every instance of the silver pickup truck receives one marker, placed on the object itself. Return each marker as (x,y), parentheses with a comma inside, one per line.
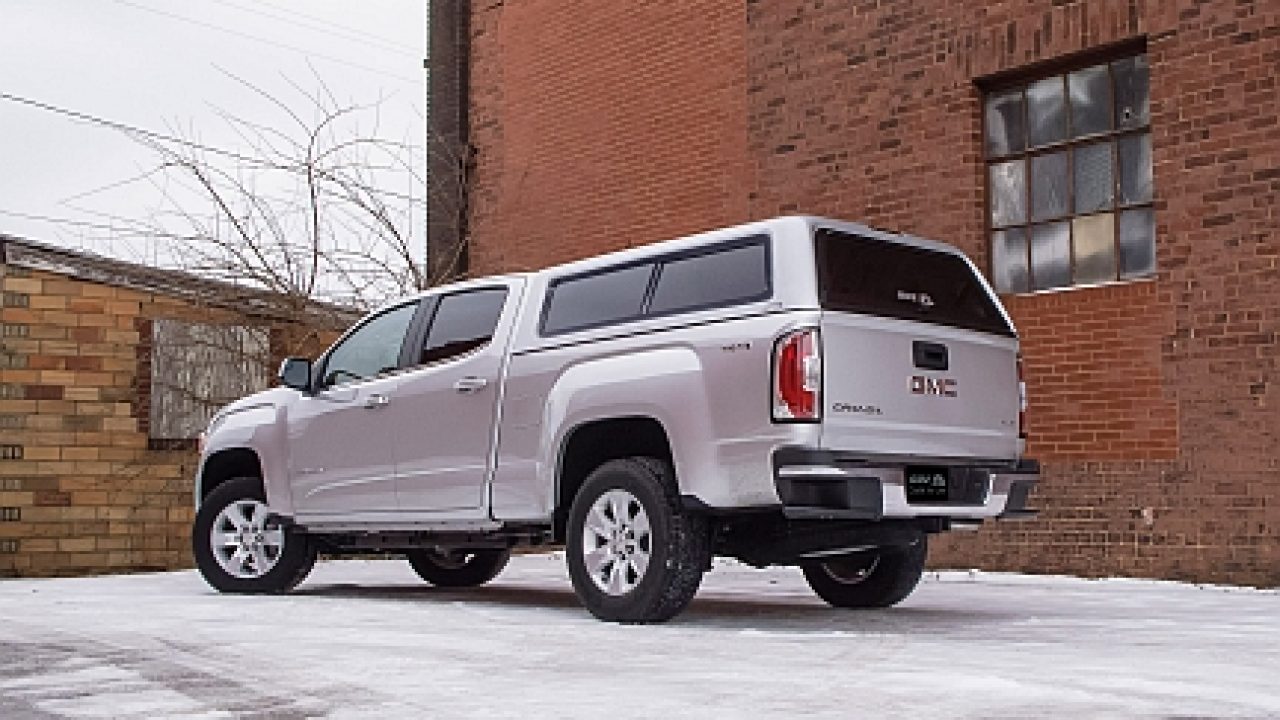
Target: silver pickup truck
(797,391)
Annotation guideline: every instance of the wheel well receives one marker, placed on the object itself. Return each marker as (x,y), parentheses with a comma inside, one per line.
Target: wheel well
(590,445)
(227,464)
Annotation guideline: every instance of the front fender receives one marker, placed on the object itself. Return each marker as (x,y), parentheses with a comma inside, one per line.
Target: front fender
(258,427)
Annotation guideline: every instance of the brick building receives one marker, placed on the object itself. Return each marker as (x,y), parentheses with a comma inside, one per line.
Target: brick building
(108,372)
(1114,165)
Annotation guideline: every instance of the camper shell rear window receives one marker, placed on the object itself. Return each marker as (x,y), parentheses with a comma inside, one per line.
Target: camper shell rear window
(871,276)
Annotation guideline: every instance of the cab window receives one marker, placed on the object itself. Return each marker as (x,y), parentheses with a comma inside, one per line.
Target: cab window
(463,322)
(372,350)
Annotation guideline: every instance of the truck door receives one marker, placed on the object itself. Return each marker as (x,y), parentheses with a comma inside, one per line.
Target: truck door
(444,427)
(341,445)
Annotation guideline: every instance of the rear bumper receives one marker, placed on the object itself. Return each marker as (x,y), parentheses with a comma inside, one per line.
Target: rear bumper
(819,484)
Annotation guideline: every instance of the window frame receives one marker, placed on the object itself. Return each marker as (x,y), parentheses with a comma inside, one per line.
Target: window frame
(157,393)
(656,264)
(1022,79)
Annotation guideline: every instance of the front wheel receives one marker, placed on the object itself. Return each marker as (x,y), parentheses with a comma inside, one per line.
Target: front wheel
(240,547)
(868,579)
(458,568)
(635,554)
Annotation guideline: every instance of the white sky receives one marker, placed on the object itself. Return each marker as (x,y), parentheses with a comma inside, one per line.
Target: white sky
(167,67)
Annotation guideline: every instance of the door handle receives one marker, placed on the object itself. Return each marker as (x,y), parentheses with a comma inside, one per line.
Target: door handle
(375,401)
(470,384)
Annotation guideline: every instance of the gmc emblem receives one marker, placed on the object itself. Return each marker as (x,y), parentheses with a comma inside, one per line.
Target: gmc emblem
(920,385)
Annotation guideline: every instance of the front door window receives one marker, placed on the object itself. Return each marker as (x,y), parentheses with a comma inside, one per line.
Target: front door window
(370,351)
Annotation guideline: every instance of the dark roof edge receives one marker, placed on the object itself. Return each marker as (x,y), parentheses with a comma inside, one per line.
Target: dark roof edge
(86,266)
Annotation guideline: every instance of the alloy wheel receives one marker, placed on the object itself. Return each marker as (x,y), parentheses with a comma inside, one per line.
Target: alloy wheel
(243,542)
(617,542)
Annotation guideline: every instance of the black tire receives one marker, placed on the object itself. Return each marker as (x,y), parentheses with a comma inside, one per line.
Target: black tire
(678,544)
(458,568)
(870,579)
(296,556)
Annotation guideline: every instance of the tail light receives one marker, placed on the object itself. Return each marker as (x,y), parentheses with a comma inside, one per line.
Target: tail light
(1022,399)
(797,377)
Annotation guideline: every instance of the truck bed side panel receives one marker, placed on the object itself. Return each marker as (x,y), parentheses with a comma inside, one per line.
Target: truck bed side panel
(705,382)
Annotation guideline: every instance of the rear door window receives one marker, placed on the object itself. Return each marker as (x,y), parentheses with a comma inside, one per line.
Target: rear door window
(726,277)
(877,277)
(597,299)
(463,322)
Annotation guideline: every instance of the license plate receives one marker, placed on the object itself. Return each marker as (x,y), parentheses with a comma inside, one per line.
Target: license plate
(927,485)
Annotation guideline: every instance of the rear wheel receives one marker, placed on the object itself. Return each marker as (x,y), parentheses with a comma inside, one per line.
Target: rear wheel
(635,554)
(458,568)
(240,547)
(868,579)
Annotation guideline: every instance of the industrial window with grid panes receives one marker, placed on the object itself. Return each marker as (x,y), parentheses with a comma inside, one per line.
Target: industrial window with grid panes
(1070,178)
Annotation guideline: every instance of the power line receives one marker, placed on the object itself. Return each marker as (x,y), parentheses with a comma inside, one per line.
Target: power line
(69,221)
(94,119)
(139,232)
(109,187)
(85,117)
(265,41)
(320,25)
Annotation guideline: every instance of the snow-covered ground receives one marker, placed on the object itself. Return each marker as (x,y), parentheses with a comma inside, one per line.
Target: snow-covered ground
(367,639)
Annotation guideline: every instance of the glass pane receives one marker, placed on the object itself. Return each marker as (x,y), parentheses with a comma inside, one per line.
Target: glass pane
(1046,112)
(598,299)
(1095,247)
(1133,107)
(463,322)
(1095,183)
(1090,91)
(1005,124)
(1137,243)
(1051,255)
(722,278)
(1008,193)
(1009,260)
(888,279)
(371,350)
(1135,168)
(1049,186)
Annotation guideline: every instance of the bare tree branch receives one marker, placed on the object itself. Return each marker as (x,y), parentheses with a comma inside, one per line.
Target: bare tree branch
(305,208)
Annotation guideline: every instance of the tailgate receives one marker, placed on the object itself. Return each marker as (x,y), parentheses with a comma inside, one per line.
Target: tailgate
(907,388)
(918,356)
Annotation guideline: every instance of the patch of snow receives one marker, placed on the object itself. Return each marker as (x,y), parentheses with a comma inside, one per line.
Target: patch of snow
(368,639)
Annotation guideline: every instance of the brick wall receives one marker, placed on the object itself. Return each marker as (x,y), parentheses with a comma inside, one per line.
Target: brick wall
(1149,400)
(603,126)
(80,489)
(1093,360)
(86,492)
(1154,404)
